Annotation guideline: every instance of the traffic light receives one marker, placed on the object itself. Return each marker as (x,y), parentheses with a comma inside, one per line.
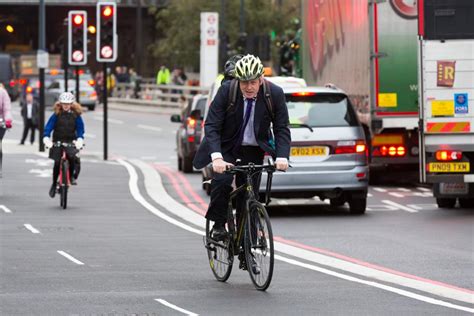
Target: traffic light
(77,38)
(106,31)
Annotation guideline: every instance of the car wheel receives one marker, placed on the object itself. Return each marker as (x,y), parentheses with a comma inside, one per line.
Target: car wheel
(337,202)
(445,202)
(180,163)
(466,203)
(357,205)
(91,107)
(187,165)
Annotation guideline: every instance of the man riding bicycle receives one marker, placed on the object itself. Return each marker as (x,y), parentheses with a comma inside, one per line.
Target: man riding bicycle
(242,132)
(68,127)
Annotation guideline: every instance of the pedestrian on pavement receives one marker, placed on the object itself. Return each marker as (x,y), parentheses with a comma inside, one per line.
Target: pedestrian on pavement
(5,118)
(30,114)
(67,126)
(242,132)
(163,75)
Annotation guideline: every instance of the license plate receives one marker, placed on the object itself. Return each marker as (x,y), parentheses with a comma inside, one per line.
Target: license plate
(83,94)
(453,188)
(448,167)
(309,151)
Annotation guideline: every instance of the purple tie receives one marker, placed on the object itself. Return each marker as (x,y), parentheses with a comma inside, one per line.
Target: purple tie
(248,110)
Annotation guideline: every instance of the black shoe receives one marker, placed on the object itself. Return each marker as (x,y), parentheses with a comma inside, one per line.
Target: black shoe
(73,181)
(52,190)
(218,232)
(242,261)
(243,264)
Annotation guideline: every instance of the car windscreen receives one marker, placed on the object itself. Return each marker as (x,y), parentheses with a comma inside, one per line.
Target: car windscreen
(320,110)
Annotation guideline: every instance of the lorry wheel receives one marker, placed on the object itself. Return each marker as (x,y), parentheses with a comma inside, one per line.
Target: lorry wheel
(187,165)
(357,206)
(466,203)
(337,202)
(445,202)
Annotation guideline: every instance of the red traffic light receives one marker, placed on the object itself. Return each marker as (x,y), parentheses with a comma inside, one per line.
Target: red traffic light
(107,11)
(78,19)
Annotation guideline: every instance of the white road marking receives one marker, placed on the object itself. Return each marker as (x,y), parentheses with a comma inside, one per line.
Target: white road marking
(399,206)
(381,208)
(282,202)
(379,189)
(366,270)
(150,128)
(32,229)
(423,194)
(370,195)
(423,189)
(375,284)
(179,309)
(42,173)
(110,120)
(396,194)
(416,207)
(68,256)
(423,206)
(5,209)
(139,198)
(87,135)
(404,189)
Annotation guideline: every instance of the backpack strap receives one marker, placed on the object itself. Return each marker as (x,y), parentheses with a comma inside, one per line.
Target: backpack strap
(268,98)
(234,85)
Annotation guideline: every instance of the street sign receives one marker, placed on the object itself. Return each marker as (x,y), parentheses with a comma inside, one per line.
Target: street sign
(42,59)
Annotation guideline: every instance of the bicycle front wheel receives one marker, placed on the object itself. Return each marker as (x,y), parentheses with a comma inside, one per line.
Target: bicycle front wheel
(64,184)
(220,254)
(259,252)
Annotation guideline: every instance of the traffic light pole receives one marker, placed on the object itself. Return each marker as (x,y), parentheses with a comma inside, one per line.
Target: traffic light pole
(42,45)
(77,84)
(66,52)
(104,93)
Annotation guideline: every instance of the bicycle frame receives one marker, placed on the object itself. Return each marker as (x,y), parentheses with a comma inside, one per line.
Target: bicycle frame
(62,161)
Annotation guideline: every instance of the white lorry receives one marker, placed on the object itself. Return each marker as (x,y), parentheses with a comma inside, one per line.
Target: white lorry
(446,97)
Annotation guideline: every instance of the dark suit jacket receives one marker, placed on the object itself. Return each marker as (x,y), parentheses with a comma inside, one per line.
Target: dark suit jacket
(222,126)
(34,113)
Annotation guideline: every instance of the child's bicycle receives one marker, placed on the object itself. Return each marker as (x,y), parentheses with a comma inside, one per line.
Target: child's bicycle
(64,179)
(250,236)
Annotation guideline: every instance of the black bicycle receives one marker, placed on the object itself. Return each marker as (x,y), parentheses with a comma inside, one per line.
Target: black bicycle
(64,179)
(250,237)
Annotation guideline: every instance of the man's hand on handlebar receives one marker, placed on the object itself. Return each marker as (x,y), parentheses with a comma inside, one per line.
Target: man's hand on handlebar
(281,165)
(219,165)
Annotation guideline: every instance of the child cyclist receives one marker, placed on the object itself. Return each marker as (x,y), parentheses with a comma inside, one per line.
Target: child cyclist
(68,127)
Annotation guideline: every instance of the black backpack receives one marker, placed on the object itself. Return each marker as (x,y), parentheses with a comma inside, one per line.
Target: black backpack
(234,85)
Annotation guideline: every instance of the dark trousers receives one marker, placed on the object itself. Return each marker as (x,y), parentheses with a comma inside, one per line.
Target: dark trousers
(221,185)
(28,125)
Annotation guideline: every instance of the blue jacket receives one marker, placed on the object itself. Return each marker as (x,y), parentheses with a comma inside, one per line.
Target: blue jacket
(52,123)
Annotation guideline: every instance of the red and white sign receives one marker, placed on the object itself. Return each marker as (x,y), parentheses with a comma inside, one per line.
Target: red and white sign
(209,47)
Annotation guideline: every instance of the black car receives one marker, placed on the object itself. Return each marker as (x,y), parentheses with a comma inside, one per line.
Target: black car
(188,135)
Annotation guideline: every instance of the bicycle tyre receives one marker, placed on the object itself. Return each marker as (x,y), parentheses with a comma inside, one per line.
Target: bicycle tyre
(259,250)
(220,255)
(64,184)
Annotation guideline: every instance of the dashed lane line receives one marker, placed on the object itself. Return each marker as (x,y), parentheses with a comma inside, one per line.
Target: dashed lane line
(176,308)
(110,120)
(150,128)
(69,257)
(5,209)
(398,195)
(379,189)
(32,229)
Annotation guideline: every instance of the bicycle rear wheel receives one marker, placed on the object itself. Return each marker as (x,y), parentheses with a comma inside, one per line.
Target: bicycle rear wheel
(259,252)
(220,254)
(64,184)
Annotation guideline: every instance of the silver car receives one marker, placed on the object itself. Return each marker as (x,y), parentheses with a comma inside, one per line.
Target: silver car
(328,150)
(87,96)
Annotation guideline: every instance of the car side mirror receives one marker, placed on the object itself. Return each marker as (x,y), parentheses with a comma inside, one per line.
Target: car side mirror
(196,114)
(176,118)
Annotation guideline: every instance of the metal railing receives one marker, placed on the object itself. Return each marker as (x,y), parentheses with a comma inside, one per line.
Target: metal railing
(148,93)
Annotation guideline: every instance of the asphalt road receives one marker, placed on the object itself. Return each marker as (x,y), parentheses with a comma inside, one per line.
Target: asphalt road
(130,241)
